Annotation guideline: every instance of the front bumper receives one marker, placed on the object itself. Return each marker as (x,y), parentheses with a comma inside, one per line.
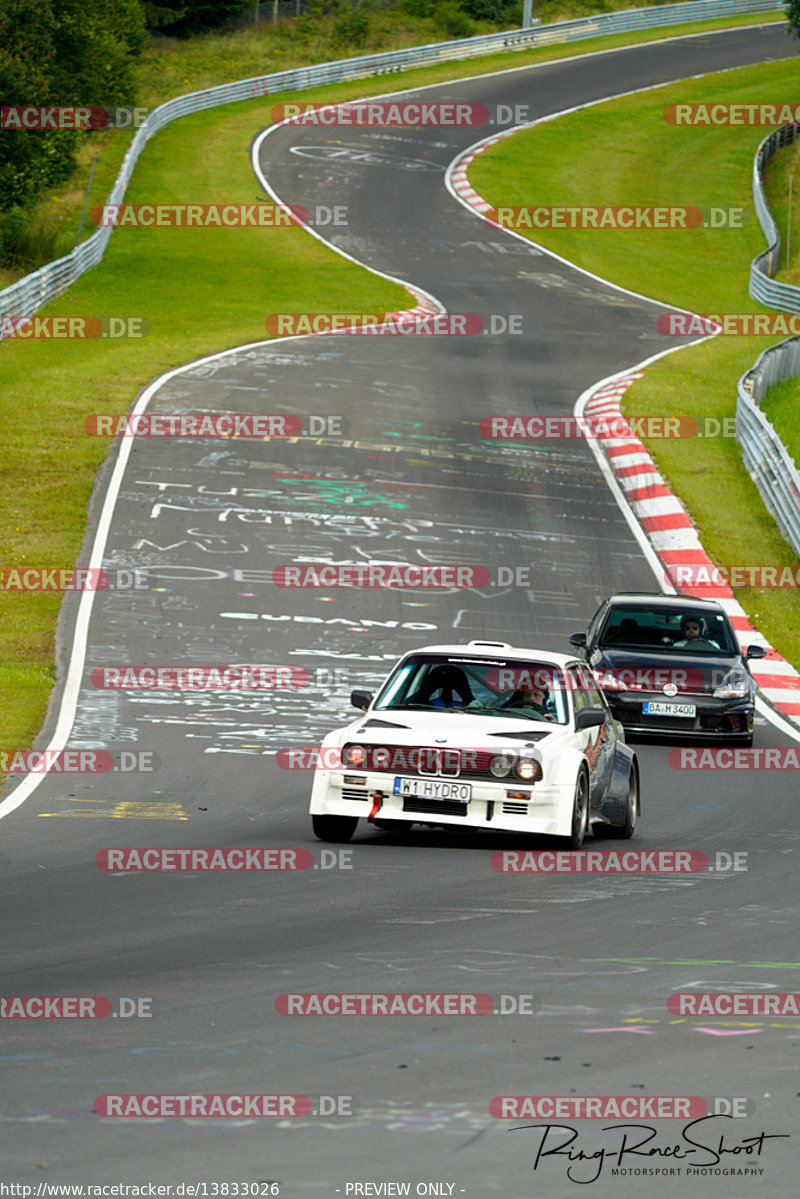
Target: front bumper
(538,808)
(714,718)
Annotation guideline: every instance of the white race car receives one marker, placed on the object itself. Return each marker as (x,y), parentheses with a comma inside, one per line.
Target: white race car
(485,736)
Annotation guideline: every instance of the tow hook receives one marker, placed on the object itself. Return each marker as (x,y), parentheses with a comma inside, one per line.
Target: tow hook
(377,804)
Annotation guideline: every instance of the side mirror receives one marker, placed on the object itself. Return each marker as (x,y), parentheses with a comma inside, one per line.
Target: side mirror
(361,699)
(755,651)
(578,640)
(590,718)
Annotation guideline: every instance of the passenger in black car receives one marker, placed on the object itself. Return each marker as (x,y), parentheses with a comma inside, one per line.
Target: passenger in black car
(626,632)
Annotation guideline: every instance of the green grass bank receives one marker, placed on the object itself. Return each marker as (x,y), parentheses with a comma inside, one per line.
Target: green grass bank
(625,152)
(50,387)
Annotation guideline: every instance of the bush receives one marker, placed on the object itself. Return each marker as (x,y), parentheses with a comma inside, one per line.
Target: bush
(453,21)
(493,10)
(351,29)
(182,18)
(26,242)
(32,162)
(59,53)
(418,8)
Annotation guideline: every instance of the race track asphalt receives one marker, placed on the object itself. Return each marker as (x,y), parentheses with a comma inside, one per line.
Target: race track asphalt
(411,480)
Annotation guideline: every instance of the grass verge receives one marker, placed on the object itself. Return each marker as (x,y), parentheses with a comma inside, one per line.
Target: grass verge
(172,68)
(174,280)
(50,387)
(782,402)
(624,152)
(781,166)
(781,406)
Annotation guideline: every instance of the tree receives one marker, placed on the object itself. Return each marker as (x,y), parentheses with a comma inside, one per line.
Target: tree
(60,53)
(181,18)
(96,42)
(29,162)
(793,16)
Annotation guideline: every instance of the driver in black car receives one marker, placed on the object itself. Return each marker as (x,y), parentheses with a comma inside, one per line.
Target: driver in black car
(693,629)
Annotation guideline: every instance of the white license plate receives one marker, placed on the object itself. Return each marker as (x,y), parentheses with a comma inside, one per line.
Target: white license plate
(433,789)
(655,708)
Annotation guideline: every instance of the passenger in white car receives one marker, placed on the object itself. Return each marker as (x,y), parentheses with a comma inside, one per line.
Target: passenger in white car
(445,687)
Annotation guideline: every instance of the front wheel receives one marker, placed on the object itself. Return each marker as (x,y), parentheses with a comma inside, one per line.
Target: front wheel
(334,828)
(580,812)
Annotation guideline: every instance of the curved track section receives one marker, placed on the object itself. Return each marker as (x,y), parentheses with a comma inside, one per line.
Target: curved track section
(410,481)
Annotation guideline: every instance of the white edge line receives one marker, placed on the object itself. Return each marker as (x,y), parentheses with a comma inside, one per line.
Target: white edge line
(464,158)
(419,292)
(74,676)
(69,699)
(775,718)
(650,555)
(536,66)
(72,683)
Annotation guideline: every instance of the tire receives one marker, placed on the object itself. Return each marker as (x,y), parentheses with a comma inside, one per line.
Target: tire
(334,828)
(580,812)
(628,828)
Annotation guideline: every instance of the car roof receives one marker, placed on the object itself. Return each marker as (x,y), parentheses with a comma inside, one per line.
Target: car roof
(481,650)
(645,599)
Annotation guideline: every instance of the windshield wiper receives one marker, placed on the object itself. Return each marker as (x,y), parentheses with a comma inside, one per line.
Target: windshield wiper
(514,712)
(418,707)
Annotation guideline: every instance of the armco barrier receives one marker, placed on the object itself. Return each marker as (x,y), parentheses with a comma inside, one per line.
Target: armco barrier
(764,454)
(763,288)
(32,292)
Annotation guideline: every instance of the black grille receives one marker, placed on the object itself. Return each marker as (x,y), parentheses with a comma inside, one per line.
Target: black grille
(515,809)
(427,761)
(435,807)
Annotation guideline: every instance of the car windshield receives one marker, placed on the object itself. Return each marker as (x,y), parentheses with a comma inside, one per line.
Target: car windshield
(660,629)
(532,691)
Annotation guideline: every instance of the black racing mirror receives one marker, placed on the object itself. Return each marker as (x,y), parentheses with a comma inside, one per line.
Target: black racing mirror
(590,718)
(755,651)
(578,640)
(361,699)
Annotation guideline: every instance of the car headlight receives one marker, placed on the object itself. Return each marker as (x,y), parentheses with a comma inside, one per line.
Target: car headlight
(529,769)
(501,765)
(734,686)
(354,755)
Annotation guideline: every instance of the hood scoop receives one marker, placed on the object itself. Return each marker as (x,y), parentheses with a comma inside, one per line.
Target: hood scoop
(526,734)
(374,723)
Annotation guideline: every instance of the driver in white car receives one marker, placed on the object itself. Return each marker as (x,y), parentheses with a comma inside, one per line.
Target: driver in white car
(533,699)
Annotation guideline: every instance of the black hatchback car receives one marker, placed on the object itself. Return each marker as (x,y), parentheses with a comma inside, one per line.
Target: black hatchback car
(671,666)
